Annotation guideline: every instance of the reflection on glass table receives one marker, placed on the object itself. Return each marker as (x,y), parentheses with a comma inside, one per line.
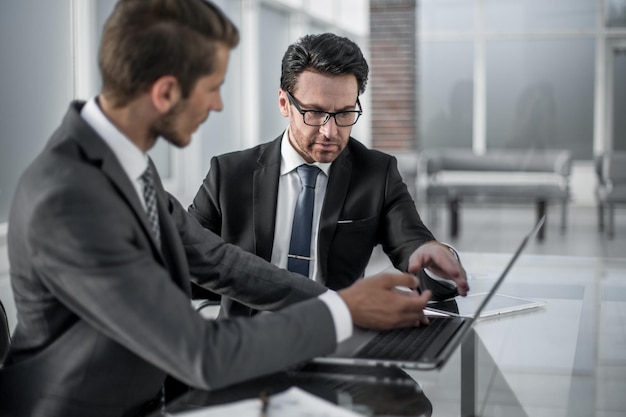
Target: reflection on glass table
(566,358)
(367,391)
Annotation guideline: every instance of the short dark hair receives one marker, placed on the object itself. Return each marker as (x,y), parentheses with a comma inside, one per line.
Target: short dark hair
(144,40)
(324,53)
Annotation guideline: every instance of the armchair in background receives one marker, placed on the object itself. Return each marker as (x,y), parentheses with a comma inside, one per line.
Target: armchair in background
(5,334)
(610,169)
(534,176)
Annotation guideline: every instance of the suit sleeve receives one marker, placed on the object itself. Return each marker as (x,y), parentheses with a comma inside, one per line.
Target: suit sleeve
(94,260)
(229,270)
(205,207)
(402,231)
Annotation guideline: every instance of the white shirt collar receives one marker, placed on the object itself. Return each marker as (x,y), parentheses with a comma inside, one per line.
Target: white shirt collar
(290,159)
(133,160)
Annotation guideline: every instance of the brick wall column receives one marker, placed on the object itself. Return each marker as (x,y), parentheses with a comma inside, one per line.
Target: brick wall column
(393,76)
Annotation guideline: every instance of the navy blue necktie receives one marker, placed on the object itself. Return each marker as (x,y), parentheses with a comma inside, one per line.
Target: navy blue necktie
(300,245)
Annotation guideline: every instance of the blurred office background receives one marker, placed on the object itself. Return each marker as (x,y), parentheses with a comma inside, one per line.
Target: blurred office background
(474,74)
(482,75)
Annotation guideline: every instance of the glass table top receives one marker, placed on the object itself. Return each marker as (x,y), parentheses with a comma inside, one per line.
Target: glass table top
(567,358)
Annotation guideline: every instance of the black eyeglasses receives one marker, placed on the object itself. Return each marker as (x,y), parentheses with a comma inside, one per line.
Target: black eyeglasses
(320,118)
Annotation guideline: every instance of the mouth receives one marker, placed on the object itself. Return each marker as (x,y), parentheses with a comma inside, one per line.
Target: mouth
(326,145)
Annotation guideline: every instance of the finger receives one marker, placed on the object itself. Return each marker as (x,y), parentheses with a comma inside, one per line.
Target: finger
(434,255)
(415,320)
(414,303)
(422,321)
(462,286)
(415,262)
(399,280)
(441,261)
(424,298)
(407,309)
(446,263)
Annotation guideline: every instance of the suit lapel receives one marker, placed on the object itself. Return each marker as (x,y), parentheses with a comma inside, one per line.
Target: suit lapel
(264,199)
(99,153)
(336,191)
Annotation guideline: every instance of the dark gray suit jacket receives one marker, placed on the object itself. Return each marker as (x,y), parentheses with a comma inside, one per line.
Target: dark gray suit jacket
(366,204)
(104,314)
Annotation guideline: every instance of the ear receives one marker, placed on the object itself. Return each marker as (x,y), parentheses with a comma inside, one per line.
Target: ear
(283,102)
(165,93)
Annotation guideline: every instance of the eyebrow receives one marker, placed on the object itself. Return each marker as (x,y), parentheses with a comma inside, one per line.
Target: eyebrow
(315,107)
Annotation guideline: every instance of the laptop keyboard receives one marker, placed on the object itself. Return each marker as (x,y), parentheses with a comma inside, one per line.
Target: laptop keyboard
(403,344)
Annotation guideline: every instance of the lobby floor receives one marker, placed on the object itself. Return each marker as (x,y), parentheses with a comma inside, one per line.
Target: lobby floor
(499,228)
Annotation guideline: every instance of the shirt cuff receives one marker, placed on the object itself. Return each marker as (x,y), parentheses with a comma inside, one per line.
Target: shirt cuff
(436,277)
(340,314)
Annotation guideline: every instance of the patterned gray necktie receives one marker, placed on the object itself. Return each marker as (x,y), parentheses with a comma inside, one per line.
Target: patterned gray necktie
(149,196)
(300,246)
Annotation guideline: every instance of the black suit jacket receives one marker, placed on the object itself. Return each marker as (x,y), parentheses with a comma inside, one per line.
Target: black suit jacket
(366,204)
(104,315)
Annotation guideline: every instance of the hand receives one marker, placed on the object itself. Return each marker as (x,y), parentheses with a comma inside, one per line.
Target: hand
(439,259)
(376,303)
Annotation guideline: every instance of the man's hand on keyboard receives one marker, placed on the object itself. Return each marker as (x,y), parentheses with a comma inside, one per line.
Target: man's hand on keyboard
(376,303)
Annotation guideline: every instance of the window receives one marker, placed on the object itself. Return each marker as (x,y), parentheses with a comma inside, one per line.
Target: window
(615,13)
(273,41)
(527,71)
(619,99)
(36,85)
(446,91)
(540,94)
(539,15)
(445,16)
(43,70)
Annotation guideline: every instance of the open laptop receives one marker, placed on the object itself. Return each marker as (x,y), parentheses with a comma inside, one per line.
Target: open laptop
(425,347)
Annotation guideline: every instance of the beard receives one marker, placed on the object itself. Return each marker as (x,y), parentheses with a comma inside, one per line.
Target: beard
(305,145)
(165,126)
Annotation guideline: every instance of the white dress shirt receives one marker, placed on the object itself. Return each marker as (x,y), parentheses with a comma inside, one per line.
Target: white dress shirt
(289,187)
(133,160)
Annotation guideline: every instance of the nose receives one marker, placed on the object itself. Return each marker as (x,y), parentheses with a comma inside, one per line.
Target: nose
(217,104)
(330,128)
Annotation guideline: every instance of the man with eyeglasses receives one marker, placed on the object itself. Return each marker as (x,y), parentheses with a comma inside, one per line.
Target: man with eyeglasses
(252,197)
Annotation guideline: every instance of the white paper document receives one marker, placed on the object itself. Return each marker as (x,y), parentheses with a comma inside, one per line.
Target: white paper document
(293,402)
